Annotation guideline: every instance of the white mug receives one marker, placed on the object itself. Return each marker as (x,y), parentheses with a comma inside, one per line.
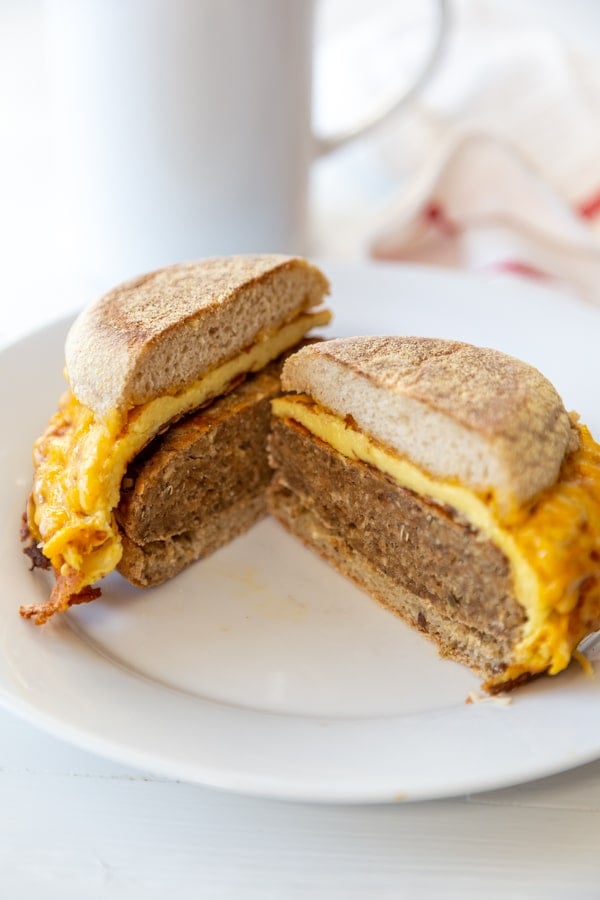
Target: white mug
(183,127)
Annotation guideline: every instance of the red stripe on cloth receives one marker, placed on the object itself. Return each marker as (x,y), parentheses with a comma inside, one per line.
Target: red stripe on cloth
(590,208)
(517,267)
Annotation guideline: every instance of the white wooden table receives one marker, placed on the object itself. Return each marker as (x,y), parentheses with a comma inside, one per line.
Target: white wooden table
(75,826)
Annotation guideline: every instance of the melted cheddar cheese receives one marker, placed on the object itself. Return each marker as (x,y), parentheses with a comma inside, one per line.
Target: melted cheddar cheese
(80,461)
(553,547)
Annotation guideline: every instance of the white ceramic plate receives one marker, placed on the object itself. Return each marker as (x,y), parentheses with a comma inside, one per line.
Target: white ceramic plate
(260,669)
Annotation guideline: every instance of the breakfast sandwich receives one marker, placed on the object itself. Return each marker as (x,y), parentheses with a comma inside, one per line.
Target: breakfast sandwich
(450,483)
(179,341)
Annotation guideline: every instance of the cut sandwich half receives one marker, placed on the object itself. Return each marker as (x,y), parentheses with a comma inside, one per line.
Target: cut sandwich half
(450,483)
(144,356)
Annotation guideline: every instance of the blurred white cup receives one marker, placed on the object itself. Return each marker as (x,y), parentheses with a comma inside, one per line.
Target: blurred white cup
(182,128)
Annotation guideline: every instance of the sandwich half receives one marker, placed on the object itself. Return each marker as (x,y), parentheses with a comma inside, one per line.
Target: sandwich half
(143,357)
(449,482)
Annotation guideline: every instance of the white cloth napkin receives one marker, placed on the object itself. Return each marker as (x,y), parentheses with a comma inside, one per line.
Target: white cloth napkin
(513,180)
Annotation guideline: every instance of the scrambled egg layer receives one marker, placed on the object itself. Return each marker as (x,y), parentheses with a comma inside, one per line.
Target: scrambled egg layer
(553,548)
(80,461)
